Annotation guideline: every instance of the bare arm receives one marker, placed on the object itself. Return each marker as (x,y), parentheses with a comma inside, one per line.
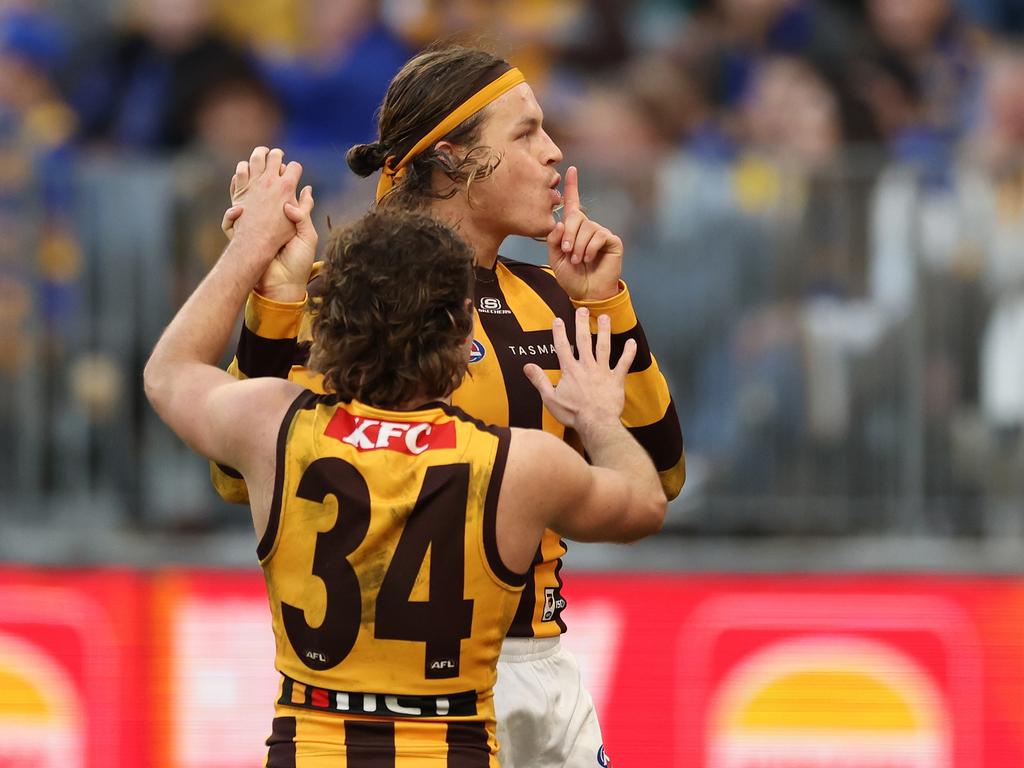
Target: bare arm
(549,485)
(181,378)
(274,314)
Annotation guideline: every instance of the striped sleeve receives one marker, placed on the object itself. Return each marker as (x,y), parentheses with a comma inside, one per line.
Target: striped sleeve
(268,346)
(649,413)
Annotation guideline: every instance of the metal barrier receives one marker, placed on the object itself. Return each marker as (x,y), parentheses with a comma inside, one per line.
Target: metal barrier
(822,331)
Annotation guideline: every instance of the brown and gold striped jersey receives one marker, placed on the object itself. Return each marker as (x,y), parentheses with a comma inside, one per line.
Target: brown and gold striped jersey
(515,303)
(386,589)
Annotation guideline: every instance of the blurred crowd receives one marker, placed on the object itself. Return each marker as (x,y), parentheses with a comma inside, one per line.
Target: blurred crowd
(823,203)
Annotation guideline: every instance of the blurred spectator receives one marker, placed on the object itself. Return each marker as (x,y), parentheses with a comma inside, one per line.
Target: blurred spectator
(1006,16)
(233,114)
(331,90)
(138,89)
(574,35)
(935,43)
(677,93)
(266,25)
(35,187)
(40,257)
(787,368)
(739,34)
(995,194)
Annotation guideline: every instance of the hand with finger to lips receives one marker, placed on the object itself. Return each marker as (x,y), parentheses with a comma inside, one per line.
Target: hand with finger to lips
(253,188)
(586,257)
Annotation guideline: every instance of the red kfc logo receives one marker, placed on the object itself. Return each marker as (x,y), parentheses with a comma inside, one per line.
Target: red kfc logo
(411,437)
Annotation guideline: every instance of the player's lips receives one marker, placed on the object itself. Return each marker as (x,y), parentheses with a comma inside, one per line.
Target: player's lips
(556,196)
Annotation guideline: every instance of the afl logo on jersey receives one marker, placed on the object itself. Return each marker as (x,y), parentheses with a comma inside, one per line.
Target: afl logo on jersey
(476,352)
(602,758)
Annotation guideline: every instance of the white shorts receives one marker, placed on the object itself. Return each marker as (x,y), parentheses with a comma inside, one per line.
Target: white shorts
(546,718)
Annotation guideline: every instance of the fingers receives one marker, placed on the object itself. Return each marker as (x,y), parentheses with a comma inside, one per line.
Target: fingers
(573,217)
(240,180)
(292,172)
(584,348)
(258,162)
(603,351)
(227,223)
(562,347)
(306,199)
(626,359)
(300,215)
(275,158)
(540,381)
(574,222)
(555,236)
(595,245)
(571,190)
(294,213)
(591,240)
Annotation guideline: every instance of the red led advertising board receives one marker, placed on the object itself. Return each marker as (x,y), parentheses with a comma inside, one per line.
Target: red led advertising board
(175,668)
(73,671)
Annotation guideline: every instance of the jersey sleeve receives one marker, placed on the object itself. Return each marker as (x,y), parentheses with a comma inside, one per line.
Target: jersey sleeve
(649,413)
(268,346)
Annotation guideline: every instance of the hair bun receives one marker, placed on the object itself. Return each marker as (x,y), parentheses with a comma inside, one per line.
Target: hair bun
(365,159)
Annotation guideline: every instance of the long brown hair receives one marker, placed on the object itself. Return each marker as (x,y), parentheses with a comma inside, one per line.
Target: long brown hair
(427,89)
(395,315)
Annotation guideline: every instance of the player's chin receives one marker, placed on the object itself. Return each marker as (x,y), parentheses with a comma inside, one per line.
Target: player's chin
(540,225)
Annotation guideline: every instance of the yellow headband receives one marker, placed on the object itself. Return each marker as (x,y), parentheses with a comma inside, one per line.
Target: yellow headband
(390,174)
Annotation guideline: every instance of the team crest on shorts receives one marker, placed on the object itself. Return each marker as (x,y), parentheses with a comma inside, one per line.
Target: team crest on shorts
(476,352)
(602,758)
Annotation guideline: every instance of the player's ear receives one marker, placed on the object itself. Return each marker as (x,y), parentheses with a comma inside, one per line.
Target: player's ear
(447,148)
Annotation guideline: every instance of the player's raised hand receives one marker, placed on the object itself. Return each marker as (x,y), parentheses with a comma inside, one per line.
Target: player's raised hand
(286,276)
(271,185)
(591,392)
(586,257)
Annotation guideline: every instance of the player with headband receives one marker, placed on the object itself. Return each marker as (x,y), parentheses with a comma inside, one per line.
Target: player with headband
(461,137)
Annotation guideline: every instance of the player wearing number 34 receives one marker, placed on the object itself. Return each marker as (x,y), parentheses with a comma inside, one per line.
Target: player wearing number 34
(395,531)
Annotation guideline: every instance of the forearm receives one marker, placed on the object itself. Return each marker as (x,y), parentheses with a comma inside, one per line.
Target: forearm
(649,413)
(268,344)
(201,329)
(611,446)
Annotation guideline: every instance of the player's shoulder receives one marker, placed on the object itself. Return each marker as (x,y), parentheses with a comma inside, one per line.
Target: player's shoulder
(540,462)
(457,414)
(539,449)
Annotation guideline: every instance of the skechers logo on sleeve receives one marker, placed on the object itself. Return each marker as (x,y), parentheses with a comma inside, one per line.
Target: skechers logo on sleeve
(410,437)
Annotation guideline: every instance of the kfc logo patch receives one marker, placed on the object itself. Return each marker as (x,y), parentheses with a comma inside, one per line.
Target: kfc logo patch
(411,437)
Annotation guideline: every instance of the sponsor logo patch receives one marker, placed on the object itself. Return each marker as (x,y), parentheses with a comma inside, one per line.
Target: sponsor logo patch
(602,758)
(492,306)
(411,437)
(552,604)
(476,352)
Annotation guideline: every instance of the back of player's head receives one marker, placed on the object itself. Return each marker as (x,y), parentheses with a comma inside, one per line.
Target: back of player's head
(430,86)
(395,317)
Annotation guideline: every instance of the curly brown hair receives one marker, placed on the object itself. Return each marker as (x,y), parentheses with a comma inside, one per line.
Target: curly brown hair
(395,311)
(428,88)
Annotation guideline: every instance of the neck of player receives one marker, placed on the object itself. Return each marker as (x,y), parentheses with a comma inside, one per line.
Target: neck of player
(485,242)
